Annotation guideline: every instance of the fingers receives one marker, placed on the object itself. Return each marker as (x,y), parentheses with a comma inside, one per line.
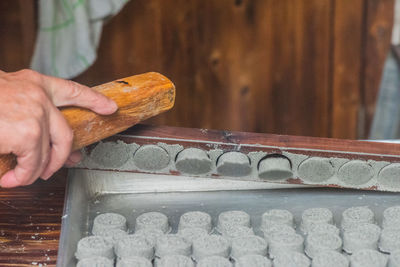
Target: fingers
(29,166)
(73,159)
(61,137)
(69,93)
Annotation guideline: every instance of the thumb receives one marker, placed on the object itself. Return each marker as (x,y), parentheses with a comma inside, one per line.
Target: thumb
(69,93)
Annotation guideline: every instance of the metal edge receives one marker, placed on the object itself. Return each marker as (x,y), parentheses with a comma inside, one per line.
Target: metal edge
(62,245)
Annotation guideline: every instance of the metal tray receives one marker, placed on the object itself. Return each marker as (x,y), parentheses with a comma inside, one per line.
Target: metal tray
(90,192)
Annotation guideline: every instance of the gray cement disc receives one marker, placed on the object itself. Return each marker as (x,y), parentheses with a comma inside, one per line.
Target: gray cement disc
(318,242)
(355,172)
(190,234)
(153,220)
(151,158)
(172,244)
(389,240)
(278,228)
(389,176)
(92,246)
(391,217)
(233,217)
(275,168)
(193,161)
(253,260)
(151,234)
(357,215)
(368,258)
(313,216)
(325,228)
(95,262)
(197,219)
(276,216)
(316,170)
(107,221)
(330,259)
(291,259)
(134,261)
(112,235)
(214,261)
(110,154)
(363,236)
(134,246)
(210,245)
(394,260)
(174,261)
(233,164)
(248,245)
(284,242)
(233,231)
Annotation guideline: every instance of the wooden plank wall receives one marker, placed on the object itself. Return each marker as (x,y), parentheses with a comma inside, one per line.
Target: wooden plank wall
(309,67)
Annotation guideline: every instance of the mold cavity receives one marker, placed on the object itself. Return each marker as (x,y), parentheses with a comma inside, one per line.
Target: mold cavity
(193,161)
(316,170)
(356,172)
(234,164)
(275,167)
(151,157)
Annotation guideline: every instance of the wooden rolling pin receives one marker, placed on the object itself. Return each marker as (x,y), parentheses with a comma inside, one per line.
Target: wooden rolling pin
(138,98)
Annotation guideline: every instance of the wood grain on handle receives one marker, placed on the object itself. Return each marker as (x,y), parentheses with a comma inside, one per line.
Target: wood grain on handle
(138,98)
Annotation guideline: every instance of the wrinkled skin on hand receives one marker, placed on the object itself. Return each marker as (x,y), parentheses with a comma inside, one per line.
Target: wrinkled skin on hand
(32,128)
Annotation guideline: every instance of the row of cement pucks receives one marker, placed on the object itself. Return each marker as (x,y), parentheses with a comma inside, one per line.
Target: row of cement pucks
(196,161)
(192,161)
(279,167)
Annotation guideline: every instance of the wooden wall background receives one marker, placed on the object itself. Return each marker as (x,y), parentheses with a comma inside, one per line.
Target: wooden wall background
(309,67)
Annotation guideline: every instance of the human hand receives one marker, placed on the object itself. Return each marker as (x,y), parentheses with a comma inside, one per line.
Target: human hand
(32,128)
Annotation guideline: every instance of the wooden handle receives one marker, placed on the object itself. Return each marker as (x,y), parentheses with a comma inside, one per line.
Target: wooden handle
(138,97)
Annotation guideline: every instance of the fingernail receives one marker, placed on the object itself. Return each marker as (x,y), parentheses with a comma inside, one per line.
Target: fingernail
(113,106)
(45,176)
(75,158)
